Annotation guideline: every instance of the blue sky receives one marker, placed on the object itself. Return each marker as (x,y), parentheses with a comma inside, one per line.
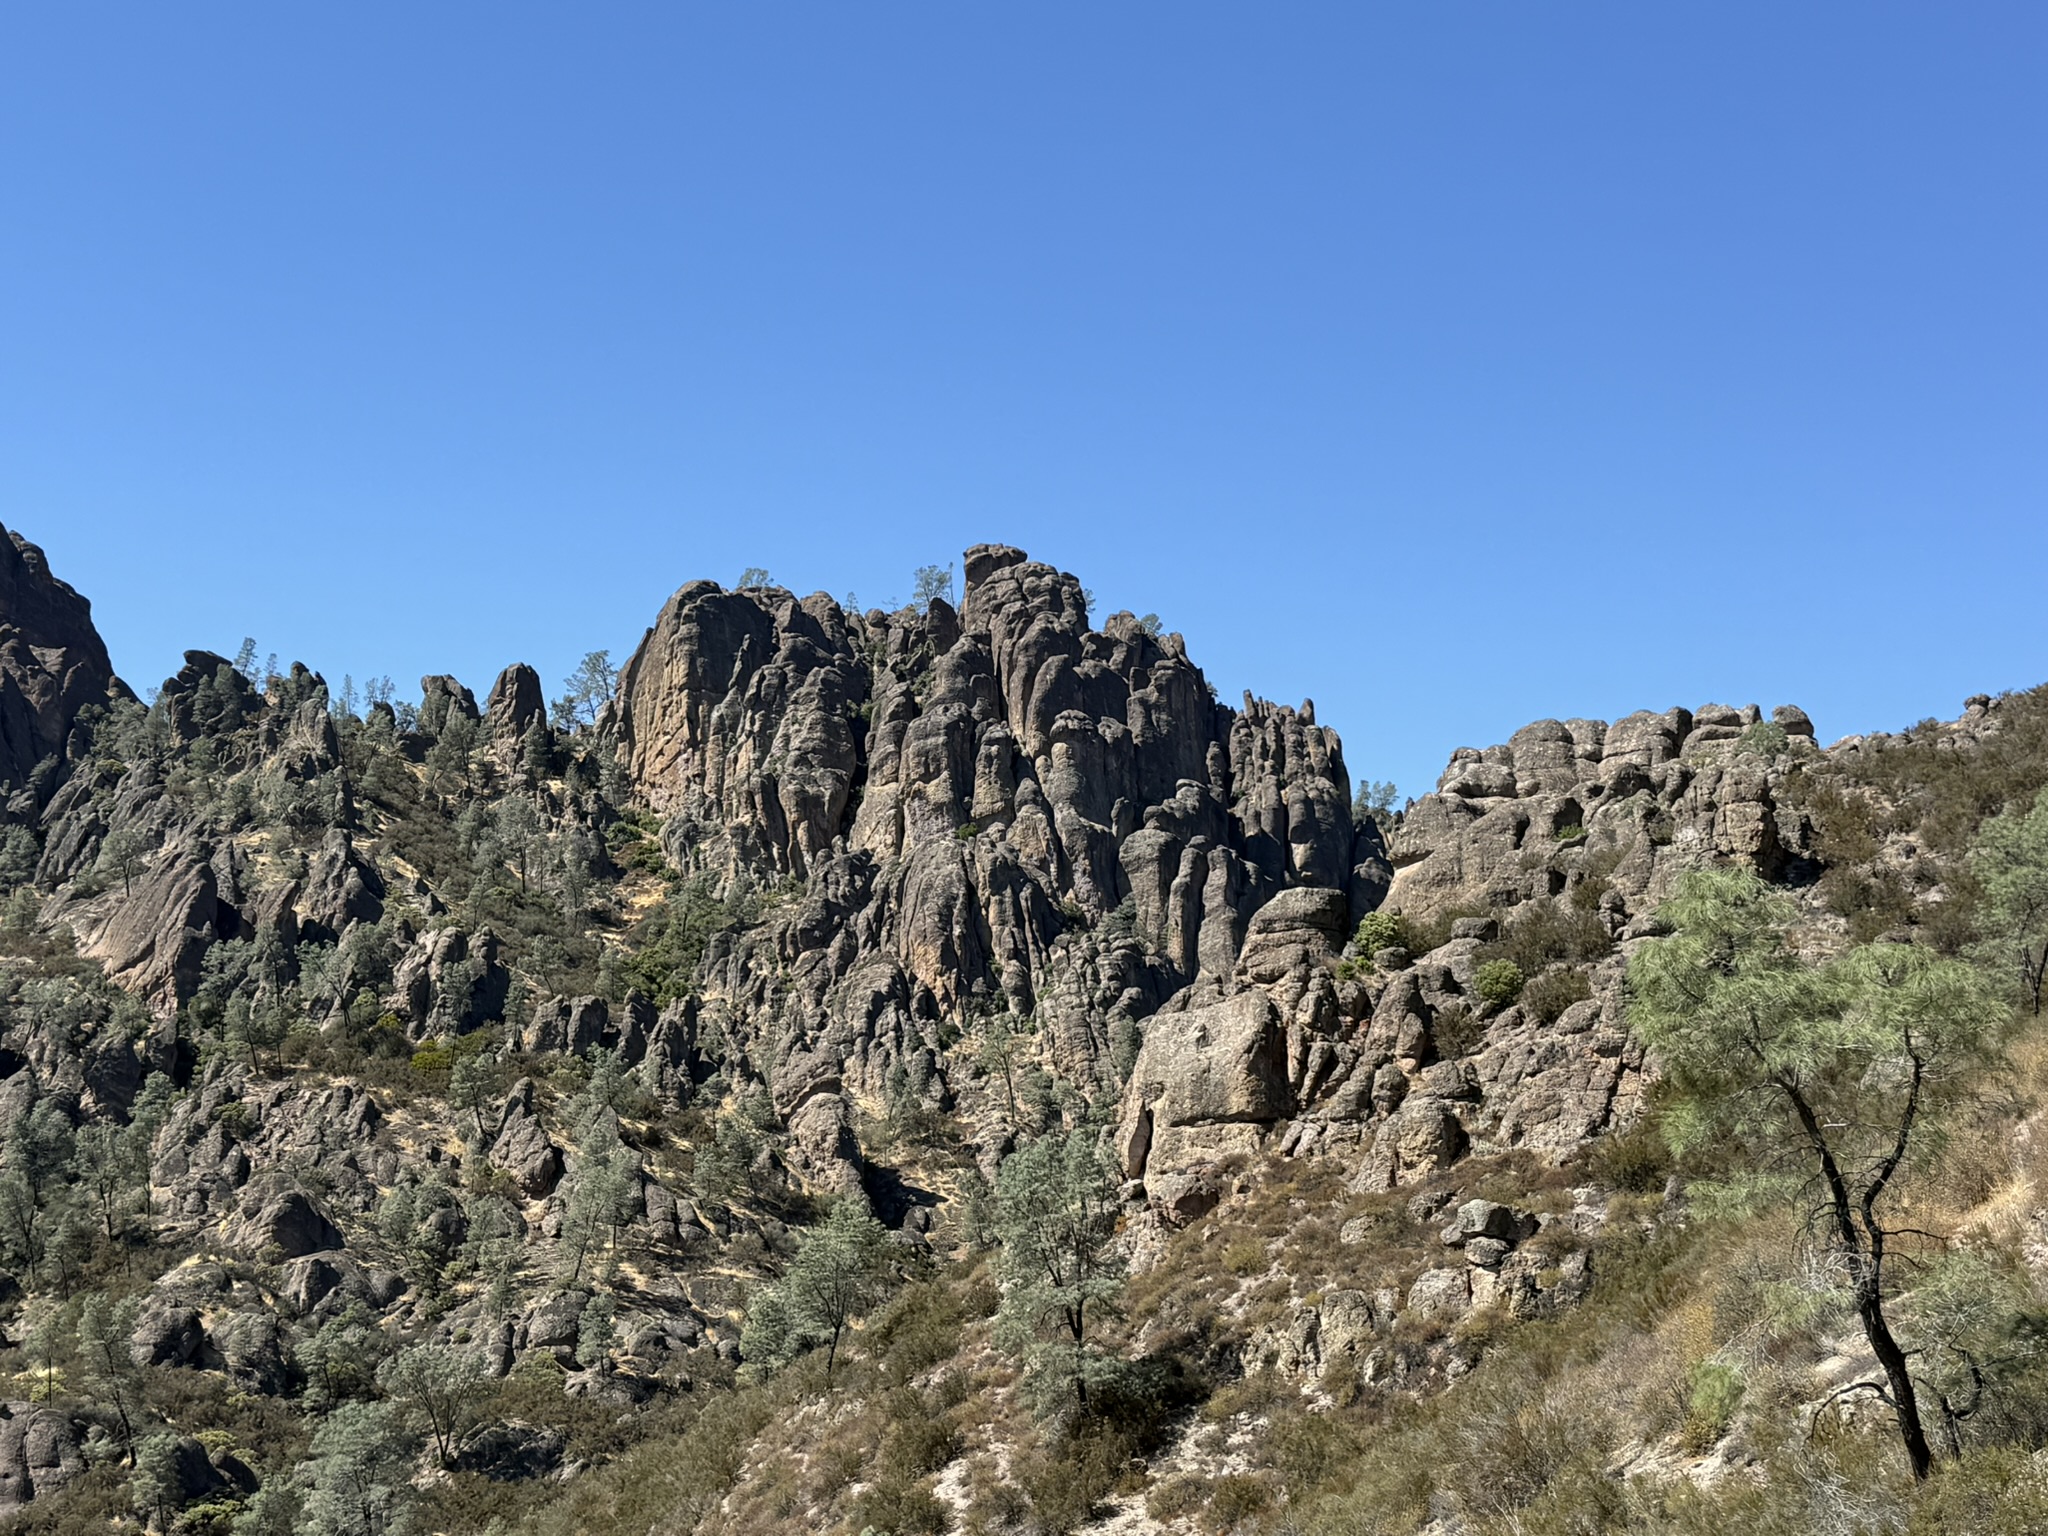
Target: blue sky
(1450,365)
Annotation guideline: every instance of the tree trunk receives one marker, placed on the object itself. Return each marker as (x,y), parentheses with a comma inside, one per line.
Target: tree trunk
(1905,1400)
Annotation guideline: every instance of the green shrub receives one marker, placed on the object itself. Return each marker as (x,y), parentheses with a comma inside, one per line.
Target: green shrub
(1571,832)
(1381,930)
(1765,739)
(1499,982)
(1715,1393)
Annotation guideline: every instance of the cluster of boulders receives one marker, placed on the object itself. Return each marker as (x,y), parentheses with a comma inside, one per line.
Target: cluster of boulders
(1357,1329)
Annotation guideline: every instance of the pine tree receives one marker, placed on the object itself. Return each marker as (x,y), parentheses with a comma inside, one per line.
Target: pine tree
(841,1271)
(1836,1071)
(1056,1216)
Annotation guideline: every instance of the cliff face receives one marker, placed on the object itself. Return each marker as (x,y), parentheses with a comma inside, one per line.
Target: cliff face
(52,665)
(997,809)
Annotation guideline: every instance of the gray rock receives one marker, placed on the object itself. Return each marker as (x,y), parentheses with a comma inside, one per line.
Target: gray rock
(1437,1292)
(1487,1218)
(39,1454)
(288,1224)
(167,1334)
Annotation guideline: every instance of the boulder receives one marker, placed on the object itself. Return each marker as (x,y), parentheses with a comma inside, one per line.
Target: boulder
(39,1454)
(286,1223)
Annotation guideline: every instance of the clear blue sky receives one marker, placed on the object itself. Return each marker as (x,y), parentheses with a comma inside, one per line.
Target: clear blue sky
(1453,365)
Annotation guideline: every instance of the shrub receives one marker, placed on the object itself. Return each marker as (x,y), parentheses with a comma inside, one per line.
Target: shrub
(1715,1393)
(1636,1161)
(1546,932)
(1571,832)
(901,1508)
(1765,739)
(1549,994)
(1235,1501)
(1245,1256)
(1456,1031)
(1381,930)
(1499,982)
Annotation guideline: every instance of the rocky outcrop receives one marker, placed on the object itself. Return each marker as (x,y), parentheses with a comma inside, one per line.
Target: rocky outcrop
(995,807)
(1650,795)
(53,664)
(39,1454)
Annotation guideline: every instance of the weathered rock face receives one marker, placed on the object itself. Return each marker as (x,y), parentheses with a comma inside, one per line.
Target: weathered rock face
(515,704)
(39,1453)
(994,808)
(1558,844)
(1659,792)
(52,665)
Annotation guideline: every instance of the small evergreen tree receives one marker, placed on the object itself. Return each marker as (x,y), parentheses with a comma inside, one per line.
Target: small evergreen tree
(357,1472)
(1837,1070)
(106,1367)
(1056,1217)
(840,1272)
(439,1386)
(2010,862)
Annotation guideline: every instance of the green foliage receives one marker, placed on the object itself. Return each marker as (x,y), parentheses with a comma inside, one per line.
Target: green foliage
(1764,738)
(1374,802)
(439,1387)
(602,1195)
(1835,1070)
(930,583)
(668,944)
(841,1271)
(1056,1216)
(1498,982)
(1380,930)
(592,686)
(596,1330)
(355,1479)
(2010,863)
(1714,1394)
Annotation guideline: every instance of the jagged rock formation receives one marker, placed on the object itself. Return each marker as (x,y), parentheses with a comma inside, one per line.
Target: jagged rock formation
(53,664)
(1663,790)
(1556,845)
(998,808)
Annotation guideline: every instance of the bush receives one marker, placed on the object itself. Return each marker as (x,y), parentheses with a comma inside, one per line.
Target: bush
(1765,739)
(1547,932)
(1456,1031)
(1635,1161)
(1381,930)
(1715,1394)
(901,1508)
(1499,982)
(1554,991)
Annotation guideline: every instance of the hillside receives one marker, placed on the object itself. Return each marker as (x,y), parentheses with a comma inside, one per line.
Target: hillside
(943,1070)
